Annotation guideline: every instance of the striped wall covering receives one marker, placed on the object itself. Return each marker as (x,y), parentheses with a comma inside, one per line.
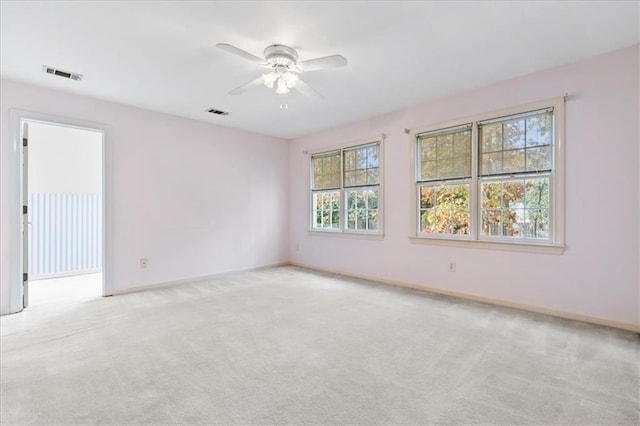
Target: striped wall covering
(65,235)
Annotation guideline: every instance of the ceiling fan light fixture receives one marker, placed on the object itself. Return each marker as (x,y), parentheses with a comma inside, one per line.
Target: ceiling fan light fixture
(277,54)
(282,88)
(269,79)
(290,79)
(282,62)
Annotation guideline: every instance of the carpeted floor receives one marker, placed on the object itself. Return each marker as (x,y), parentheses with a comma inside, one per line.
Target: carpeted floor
(288,345)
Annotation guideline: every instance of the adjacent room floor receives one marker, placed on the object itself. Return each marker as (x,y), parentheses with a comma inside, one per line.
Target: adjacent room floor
(72,289)
(288,345)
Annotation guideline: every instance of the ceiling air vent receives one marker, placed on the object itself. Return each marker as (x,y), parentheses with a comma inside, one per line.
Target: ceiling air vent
(217,111)
(60,73)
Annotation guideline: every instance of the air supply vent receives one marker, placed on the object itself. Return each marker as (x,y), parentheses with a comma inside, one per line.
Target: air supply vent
(217,111)
(61,73)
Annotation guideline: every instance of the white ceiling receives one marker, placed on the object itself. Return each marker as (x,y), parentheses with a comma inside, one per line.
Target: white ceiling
(162,55)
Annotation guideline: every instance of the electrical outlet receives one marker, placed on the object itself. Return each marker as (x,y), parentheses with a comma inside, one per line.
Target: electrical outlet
(144,263)
(297,247)
(452,266)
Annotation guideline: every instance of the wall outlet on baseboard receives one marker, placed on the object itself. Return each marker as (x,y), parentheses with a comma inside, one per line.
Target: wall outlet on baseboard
(452,266)
(144,263)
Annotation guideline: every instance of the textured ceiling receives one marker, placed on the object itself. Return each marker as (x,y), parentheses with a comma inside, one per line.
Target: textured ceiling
(162,55)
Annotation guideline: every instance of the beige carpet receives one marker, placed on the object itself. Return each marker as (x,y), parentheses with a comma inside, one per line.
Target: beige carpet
(287,345)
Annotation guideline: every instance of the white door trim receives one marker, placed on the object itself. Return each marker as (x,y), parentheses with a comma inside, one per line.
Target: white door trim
(14,189)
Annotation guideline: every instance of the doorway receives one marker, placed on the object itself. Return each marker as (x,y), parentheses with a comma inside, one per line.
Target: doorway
(63,213)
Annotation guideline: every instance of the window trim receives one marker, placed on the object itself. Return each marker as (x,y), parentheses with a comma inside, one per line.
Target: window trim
(556,187)
(342,230)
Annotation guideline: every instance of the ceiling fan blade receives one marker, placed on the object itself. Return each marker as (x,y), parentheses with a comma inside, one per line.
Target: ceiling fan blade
(307,90)
(241,89)
(242,53)
(333,61)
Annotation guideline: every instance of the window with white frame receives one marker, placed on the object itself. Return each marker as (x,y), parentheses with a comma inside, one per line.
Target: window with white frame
(345,190)
(444,171)
(492,178)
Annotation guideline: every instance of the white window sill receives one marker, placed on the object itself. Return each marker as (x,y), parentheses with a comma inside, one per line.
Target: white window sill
(340,234)
(491,245)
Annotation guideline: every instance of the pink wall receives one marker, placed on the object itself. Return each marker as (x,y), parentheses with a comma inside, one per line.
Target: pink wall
(596,276)
(196,199)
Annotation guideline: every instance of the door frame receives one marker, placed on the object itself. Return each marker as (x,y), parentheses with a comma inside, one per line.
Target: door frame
(18,118)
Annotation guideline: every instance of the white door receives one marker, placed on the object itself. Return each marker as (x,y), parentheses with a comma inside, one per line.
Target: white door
(25,215)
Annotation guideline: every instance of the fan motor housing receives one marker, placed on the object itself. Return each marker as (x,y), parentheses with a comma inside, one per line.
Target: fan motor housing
(278,54)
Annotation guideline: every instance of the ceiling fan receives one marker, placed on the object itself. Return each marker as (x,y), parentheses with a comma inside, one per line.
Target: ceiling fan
(284,68)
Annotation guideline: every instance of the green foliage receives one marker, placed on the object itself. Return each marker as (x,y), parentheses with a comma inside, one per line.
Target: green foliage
(327,209)
(518,208)
(445,209)
(510,208)
(362,209)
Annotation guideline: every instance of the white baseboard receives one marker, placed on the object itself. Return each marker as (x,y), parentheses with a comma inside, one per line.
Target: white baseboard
(194,279)
(482,299)
(64,274)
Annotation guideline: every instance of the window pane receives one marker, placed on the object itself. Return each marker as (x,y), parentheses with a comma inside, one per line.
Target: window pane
(491,195)
(538,204)
(360,200)
(462,144)
(445,168)
(513,194)
(362,209)
(491,163)
(460,222)
(491,222)
(335,200)
(351,199)
(326,209)
(513,161)
(361,159)
(443,196)
(537,223)
(427,197)
(372,201)
(540,129)
(445,156)
(461,166)
(537,193)
(372,177)
(372,220)
(445,209)
(445,146)
(326,171)
(335,219)
(349,160)
(460,196)
(372,157)
(361,219)
(514,134)
(517,208)
(512,220)
(539,158)
(428,149)
(428,221)
(349,178)
(491,137)
(523,144)
(428,170)
(362,165)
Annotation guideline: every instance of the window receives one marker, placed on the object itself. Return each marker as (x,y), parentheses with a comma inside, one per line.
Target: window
(495,178)
(345,190)
(444,159)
